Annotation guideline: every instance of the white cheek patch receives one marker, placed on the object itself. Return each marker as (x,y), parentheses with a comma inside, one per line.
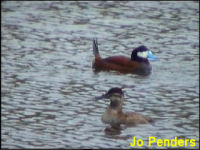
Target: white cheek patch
(142,54)
(115,97)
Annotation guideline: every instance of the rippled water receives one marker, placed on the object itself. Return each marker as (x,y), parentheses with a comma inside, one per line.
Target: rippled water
(48,84)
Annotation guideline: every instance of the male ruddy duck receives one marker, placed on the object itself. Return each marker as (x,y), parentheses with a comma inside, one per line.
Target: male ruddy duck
(114,114)
(137,64)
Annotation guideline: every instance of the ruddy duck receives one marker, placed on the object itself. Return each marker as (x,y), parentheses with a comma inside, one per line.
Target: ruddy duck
(114,114)
(137,64)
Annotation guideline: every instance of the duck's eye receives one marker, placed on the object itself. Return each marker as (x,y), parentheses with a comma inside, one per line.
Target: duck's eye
(143,54)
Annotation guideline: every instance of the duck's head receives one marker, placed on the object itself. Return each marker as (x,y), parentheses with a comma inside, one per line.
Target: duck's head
(116,97)
(142,54)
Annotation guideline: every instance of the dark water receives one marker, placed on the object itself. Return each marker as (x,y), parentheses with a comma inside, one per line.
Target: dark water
(48,84)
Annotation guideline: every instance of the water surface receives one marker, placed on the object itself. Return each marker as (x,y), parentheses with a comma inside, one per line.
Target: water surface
(48,85)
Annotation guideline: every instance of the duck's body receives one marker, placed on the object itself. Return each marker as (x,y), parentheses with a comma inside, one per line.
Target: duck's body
(115,117)
(123,64)
(114,114)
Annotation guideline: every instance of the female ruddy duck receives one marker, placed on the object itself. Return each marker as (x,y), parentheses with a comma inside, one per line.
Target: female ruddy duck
(137,64)
(114,114)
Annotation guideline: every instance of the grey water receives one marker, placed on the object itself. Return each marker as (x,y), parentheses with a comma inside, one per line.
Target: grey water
(48,85)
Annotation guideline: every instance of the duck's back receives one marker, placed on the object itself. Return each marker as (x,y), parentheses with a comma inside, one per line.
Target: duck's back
(133,118)
(120,60)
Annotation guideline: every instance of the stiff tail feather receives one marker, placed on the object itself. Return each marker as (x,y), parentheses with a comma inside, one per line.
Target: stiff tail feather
(95,48)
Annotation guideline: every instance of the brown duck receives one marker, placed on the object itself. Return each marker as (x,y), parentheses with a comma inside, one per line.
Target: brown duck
(114,114)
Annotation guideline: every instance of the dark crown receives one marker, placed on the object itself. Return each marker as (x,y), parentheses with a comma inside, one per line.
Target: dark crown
(114,90)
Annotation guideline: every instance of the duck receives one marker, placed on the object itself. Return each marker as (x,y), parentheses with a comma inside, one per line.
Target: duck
(137,64)
(115,116)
